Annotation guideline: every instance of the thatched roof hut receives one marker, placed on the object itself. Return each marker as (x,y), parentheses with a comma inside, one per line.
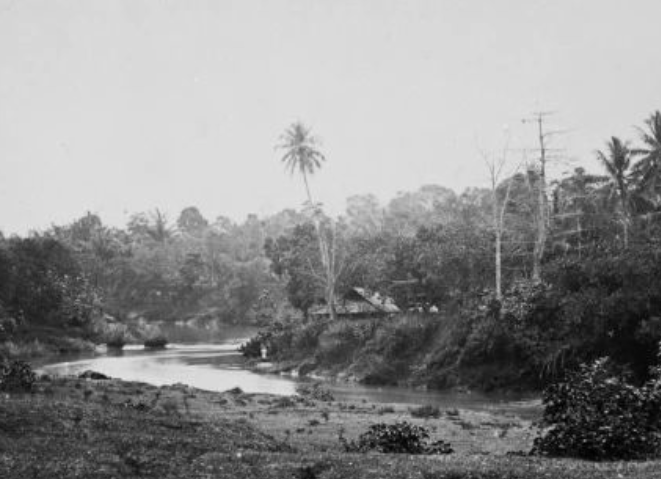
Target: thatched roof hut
(360,303)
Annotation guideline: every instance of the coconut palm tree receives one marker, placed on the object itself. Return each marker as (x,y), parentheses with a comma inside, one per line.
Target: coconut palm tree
(647,169)
(301,152)
(617,162)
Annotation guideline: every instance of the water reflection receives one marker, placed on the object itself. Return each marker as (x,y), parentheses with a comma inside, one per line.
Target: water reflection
(215,367)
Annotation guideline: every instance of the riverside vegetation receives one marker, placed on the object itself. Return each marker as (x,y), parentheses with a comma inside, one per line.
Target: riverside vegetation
(595,306)
(591,295)
(518,289)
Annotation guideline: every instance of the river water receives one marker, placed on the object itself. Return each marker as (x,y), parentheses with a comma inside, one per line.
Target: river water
(219,367)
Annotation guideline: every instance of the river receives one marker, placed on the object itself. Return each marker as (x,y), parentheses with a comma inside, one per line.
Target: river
(219,367)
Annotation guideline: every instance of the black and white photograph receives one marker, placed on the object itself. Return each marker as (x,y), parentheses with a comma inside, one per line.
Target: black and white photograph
(328,239)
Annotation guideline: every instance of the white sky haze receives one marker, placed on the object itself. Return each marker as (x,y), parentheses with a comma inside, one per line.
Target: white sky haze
(122,106)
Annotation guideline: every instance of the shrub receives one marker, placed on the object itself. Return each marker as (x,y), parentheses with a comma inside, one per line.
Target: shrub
(156,342)
(8,324)
(426,411)
(23,349)
(315,391)
(304,338)
(284,402)
(16,375)
(404,337)
(277,338)
(116,342)
(311,471)
(595,414)
(116,336)
(72,345)
(401,438)
(252,348)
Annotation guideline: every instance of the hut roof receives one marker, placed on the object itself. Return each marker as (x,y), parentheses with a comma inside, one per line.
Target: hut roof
(360,301)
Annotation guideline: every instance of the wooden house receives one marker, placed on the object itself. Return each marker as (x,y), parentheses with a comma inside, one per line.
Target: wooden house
(360,303)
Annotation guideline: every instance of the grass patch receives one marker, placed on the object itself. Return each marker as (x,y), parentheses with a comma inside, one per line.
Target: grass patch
(121,429)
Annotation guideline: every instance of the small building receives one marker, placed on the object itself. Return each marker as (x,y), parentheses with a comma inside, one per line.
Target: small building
(359,303)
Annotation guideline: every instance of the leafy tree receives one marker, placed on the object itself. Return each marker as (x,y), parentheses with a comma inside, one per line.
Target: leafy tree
(581,218)
(408,211)
(364,214)
(150,227)
(282,222)
(248,239)
(293,258)
(191,221)
(617,162)
(160,231)
(192,270)
(647,169)
(453,260)
(46,286)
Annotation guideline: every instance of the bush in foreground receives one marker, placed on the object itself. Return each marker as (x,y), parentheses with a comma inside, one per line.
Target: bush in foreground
(597,415)
(402,437)
(16,376)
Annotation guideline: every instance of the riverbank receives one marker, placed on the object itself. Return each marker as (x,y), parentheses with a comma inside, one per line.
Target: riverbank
(72,427)
(42,349)
(422,351)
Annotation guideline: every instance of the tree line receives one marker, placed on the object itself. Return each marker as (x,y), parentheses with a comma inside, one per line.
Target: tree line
(432,247)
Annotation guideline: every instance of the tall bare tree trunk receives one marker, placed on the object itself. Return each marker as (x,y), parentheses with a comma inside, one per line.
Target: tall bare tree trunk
(499,267)
(542,213)
(497,226)
(498,210)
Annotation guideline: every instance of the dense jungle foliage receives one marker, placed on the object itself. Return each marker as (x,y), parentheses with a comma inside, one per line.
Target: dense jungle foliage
(432,250)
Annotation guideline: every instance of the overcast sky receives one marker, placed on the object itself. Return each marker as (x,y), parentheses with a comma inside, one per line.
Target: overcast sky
(124,106)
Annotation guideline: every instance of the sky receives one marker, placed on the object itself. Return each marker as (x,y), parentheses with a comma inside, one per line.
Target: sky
(123,106)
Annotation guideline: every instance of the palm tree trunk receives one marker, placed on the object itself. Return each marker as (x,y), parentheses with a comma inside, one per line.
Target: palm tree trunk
(626,235)
(327,254)
(307,187)
(331,277)
(327,251)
